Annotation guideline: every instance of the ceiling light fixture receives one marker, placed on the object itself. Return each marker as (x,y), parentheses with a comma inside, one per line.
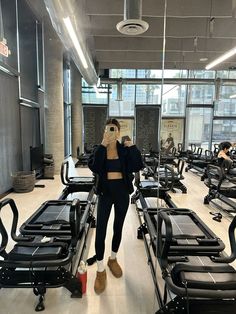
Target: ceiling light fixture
(221,59)
(75,40)
(232,96)
(203,59)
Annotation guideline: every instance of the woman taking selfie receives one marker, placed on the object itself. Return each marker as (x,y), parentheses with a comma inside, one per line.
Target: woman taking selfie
(114,164)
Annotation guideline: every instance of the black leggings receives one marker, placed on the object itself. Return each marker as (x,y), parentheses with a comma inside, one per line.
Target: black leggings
(118,195)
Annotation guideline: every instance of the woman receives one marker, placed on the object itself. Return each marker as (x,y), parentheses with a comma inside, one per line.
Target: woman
(114,164)
(224,159)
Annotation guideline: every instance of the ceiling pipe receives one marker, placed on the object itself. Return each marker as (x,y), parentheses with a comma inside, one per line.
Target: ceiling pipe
(65,20)
(132,23)
(119,90)
(173,81)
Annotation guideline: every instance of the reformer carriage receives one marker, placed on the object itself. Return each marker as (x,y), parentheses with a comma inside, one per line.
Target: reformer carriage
(196,273)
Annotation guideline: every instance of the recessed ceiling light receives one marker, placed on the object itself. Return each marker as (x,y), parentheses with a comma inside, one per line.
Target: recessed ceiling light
(203,59)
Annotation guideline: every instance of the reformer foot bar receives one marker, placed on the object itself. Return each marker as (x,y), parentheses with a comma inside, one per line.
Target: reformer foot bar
(48,250)
(196,271)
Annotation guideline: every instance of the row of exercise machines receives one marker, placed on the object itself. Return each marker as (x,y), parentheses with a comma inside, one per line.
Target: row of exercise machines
(51,243)
(221,182)
(196,273)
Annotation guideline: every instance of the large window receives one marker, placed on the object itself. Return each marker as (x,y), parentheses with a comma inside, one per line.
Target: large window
(200,99)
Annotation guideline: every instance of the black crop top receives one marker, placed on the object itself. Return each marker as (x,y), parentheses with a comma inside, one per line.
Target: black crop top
(113,165)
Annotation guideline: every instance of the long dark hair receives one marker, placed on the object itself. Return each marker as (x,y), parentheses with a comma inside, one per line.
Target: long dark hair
(224,145)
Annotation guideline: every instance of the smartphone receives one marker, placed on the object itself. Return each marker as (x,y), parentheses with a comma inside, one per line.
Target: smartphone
(111,131)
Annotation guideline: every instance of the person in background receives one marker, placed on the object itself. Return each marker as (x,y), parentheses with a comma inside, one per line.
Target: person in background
(224,159)
(114,164)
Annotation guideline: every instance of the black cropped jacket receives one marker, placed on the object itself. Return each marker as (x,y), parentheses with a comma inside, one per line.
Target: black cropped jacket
(130,159)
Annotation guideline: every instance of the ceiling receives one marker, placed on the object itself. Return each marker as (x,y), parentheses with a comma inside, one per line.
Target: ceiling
(190,35)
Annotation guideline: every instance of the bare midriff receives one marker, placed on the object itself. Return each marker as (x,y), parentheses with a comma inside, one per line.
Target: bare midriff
(114,175)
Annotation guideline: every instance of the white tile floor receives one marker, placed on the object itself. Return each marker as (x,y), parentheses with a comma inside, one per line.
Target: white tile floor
(134,292)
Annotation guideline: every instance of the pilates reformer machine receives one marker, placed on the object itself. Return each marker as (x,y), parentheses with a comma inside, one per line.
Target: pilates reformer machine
(151,186)
(151,170)
(196,274)
(164,158)
(74,184)
(49,248)
(221,186)
(199,161)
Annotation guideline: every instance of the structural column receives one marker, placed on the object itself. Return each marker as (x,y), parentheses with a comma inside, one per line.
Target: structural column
(54,113)
(76,110)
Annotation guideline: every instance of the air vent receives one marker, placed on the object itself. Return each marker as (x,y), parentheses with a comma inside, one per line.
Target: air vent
(132,23)
(132,27)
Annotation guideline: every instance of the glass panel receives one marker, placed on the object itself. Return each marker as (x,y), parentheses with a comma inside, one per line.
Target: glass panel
(226,74)
(223,130)
(198,126)
(158,73)
(174,97)
(90,96)
(201,94)
(148,94)
(226,106)
(232,74)
(126,73)
(222,74)
(126,106)
(202,74)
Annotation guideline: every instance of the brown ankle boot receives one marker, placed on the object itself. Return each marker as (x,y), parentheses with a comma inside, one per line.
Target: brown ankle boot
(114,267)
(100,282)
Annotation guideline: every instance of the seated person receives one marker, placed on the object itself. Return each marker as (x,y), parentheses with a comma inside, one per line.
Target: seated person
(224,159)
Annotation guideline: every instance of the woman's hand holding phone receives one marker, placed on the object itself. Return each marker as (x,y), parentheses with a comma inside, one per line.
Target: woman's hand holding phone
(126,141)
(109,137)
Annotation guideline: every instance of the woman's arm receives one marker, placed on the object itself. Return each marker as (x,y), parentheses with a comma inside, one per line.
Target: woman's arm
(222,154)
(134,159)
(97,158)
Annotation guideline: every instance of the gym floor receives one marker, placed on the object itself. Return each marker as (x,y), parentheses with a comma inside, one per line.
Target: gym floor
(132,293)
